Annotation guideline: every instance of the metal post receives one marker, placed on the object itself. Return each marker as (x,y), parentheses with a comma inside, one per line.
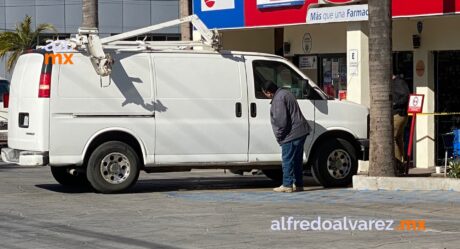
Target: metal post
(411,138)
(445,164)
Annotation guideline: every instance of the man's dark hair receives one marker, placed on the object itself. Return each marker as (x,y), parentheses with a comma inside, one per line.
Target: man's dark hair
(269,86)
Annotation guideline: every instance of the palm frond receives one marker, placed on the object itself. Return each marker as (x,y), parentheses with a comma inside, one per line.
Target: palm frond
(40,29)
(23,38)
(9,41)
(45,27)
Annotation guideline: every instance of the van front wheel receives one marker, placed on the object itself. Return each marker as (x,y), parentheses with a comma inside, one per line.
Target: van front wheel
(335,163)
(113,167)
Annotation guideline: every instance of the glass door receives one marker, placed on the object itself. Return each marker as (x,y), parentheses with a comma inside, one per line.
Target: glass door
(333,74)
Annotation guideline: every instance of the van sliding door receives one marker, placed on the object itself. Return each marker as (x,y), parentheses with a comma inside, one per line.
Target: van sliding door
(205,114)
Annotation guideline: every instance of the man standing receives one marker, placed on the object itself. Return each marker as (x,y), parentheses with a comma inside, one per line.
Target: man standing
(400,101)
(291,129)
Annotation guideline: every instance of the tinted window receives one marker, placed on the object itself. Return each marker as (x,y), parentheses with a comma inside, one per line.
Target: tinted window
(281,74)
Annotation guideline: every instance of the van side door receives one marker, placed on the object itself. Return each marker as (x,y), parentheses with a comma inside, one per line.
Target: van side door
(204,118)
(262,143)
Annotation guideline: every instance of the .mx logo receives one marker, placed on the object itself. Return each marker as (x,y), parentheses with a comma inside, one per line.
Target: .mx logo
(59,52)
(58,57)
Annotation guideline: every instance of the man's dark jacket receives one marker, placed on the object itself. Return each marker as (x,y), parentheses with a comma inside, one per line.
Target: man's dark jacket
(287,120)
(400,96)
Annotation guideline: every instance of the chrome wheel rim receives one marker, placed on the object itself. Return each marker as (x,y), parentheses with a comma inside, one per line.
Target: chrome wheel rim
(115,168)
(339,164)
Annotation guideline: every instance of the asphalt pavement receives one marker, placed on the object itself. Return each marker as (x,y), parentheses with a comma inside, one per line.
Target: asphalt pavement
(211,209)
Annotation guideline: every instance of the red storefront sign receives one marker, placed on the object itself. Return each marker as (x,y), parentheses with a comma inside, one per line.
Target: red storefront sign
(272,17)
(296,14)
(338,1)
(409,8)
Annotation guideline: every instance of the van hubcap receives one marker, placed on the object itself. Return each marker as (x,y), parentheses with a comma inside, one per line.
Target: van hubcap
(115,168)
(339,164)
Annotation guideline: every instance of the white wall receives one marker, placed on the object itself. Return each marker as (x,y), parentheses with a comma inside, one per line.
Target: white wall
(326,38)
(439,33)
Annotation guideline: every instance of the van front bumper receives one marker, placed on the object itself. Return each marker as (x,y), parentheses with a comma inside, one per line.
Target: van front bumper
(25,158)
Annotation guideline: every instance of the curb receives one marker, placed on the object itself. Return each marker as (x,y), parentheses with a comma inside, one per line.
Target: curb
(361,182)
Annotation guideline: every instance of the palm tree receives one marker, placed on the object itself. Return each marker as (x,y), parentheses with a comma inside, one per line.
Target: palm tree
(381,161)
(21,39)
(90,14)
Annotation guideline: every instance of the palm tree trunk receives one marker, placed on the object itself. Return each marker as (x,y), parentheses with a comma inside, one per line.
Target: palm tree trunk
(380,71)
(90,14)
(185,30)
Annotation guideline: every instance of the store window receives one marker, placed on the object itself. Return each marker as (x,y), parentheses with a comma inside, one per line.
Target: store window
(447,90)
(329,71)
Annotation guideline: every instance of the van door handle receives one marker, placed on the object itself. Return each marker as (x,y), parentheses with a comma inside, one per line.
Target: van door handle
(238,109)
(253,110)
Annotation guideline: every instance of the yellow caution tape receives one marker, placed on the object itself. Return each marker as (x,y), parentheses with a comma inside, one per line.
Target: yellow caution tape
(436,114)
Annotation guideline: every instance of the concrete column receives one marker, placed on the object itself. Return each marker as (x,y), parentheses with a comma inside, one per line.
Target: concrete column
(425,130)
(358,63)
(358,69)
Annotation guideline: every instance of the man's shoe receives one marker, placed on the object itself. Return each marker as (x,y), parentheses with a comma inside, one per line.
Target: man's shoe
(283,189)
(296,189)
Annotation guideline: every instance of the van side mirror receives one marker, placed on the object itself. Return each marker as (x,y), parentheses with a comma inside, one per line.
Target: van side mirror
(306,88)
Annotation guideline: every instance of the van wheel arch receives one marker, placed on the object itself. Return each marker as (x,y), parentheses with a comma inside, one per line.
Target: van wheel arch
(339,142)
(331,135)
(119,136)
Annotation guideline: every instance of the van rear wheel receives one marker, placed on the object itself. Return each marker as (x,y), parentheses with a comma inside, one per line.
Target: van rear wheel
(113,167)
(63,177)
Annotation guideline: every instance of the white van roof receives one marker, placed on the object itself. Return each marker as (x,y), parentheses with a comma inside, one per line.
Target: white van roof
(190,51)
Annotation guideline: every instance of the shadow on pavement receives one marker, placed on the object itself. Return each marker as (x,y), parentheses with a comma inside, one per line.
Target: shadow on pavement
(56,233)
(5,167)
(186,184)
(65,189)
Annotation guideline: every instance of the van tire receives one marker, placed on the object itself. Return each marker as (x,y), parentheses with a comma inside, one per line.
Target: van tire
(113,167)
(63,177)
(335,163)
(275,175)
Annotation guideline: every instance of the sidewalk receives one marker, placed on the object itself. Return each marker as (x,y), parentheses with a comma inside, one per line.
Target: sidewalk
(418,179)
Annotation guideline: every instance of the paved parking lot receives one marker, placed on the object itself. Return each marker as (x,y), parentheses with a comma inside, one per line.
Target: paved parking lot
(210,209)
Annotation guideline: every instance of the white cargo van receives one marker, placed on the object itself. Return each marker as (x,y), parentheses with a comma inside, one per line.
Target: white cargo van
(170,110)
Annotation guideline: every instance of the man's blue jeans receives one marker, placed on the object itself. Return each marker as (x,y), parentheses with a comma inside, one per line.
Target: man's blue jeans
(292,156)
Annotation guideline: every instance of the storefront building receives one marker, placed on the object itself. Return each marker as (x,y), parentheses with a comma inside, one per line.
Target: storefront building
(328,41)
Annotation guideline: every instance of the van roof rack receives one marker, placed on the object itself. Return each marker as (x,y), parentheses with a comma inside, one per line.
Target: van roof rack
(88,39)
